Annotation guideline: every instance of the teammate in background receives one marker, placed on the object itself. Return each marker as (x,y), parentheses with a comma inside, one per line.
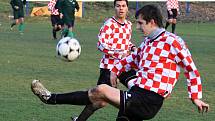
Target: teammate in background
(18,13)
(55,18)
(157,60)
(67,8)
(114,42)
(172,12)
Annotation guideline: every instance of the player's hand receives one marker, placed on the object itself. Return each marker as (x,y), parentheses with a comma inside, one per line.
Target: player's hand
(170,12)
(16,7)
(179,12)
(113,79)
(61,15)
(202,106)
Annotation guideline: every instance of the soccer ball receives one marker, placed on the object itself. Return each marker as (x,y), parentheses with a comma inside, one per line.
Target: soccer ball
(68,49)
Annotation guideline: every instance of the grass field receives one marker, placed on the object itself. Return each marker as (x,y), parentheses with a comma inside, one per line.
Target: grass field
(32,56)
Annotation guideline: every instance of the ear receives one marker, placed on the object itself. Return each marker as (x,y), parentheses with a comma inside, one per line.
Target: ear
(152,22)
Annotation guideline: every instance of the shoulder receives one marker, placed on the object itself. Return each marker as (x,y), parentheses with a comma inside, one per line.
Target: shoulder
(109,21)
(128,22)
(174,39)
(107,25)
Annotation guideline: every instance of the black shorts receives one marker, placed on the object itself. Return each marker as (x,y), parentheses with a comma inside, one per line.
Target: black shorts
(70,23)
(124,77)
(174,14)
(18,14)
(138,104)
(55,19)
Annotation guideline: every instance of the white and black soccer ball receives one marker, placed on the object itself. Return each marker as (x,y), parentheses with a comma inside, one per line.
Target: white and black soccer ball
(68,49)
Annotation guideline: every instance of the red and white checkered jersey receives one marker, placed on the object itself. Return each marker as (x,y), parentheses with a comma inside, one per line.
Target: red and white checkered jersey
(158,63)
(114,41)
(51,7)
(172,4)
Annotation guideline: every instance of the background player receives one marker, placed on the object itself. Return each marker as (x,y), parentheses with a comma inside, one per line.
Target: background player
(56,21)
(18,13)
(67,8)
(172,12)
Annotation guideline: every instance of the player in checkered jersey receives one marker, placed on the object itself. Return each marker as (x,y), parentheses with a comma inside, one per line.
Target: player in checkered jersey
(56,21)
(172,12)
(114,42)
(157,60)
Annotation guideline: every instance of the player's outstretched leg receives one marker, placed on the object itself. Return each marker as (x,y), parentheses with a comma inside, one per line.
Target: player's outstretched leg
(73,98)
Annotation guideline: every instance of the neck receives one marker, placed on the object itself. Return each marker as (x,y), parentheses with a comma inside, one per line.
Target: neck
(155,33)
(120,20)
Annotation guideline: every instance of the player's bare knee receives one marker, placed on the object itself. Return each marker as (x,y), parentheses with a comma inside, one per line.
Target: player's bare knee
(55,27)
(170,20)
(103,89)
(17,22)
(98,93)
(174,21)
(92,92)
(95,94)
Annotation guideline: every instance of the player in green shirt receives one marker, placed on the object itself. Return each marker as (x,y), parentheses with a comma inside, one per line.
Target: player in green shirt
(18,12)
(67,9)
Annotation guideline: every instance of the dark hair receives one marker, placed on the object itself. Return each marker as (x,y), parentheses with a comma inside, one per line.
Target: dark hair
(149,12)
(121,0)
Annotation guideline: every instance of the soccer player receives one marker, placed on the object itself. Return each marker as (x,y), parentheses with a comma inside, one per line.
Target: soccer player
(172,12)
(18,13)
(114,42)
(67,8)
(55,18)
(158,60)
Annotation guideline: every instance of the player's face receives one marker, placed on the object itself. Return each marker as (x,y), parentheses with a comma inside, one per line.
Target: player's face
(121,9)
(145,28)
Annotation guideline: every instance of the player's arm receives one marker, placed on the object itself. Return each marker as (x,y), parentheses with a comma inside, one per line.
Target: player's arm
(184,59)
(103,44)
(178,10)
(126,64)
(202,106)
(50,5)
(168,4)
(132,47)
(24,2)
(13,5)
(77,6)
(59,6)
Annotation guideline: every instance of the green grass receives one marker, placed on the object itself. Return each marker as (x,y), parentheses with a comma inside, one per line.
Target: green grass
(32,56)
